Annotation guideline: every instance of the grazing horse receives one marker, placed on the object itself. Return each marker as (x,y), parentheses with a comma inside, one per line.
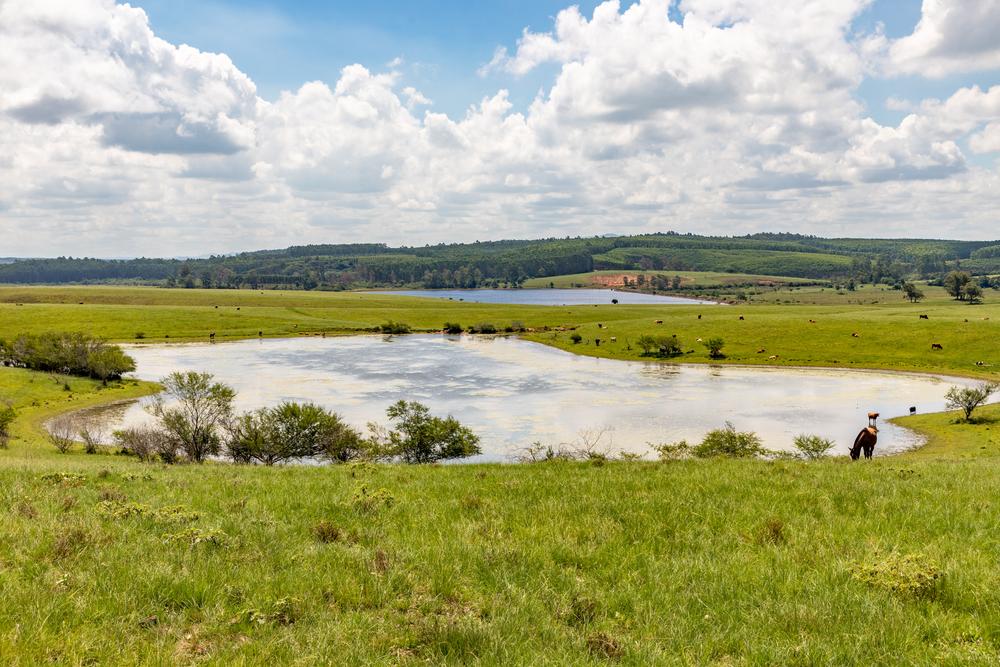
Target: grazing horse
(866,439)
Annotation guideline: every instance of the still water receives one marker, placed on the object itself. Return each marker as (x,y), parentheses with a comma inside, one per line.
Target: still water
(549,297)
(514,393)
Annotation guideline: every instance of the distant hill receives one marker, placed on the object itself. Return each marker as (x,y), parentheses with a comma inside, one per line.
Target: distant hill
(510,262)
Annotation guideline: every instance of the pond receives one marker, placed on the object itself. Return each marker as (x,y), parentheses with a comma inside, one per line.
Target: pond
(549,297)
(514,393)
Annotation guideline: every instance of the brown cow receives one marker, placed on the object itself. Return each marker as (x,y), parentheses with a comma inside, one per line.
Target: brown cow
(937,346)
(865,441)
(866,438)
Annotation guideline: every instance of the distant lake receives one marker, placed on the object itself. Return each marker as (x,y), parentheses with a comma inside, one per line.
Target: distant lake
(515,392)
(548,297)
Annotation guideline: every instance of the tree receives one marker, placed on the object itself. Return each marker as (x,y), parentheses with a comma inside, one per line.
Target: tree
(714,346)
(7,416)
(955,282)
(967,399)
(972,293)
(291,431)
(911,292)
(200,407)
(419,437)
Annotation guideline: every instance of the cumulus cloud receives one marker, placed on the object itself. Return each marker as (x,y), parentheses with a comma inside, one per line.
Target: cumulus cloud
(952,36)
(743,116)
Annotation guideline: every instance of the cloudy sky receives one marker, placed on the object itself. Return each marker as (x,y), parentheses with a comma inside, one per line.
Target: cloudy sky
(187,127)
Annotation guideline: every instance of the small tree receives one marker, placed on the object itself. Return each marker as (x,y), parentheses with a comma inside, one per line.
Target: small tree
(714,346)
(201,407)
(955,282)
(419,437)
(812,446)
(291,431)
(7,416)
(730,443)
(972,293)
(61,435)
(968,399)
(911,292)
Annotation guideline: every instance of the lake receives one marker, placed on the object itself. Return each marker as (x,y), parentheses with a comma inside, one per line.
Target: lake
(514,393)
(549,297)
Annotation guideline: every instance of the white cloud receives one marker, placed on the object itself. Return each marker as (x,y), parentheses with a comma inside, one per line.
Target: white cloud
(952,36)
(742,118)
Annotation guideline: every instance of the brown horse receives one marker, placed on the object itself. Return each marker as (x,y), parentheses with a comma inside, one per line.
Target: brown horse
(866,438)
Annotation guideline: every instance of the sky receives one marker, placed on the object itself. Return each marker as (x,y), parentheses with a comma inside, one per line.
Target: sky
(190,127)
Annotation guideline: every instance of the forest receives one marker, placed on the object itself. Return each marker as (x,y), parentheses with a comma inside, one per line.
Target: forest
(508,263)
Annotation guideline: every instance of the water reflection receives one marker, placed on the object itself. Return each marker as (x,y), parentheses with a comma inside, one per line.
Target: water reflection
(514,392)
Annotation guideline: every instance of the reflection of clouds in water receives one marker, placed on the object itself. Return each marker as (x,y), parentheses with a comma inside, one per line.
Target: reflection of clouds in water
(514,393)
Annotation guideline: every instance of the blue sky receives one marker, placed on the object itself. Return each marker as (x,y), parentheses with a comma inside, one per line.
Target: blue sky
(830,117)
(281,45)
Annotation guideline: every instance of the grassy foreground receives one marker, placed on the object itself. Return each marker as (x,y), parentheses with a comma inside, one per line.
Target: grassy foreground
(108,561)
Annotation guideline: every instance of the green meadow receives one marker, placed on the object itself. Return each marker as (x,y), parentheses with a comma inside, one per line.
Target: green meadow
(105,560)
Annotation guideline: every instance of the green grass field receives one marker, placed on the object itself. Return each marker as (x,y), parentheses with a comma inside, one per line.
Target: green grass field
(891,334)
(105,560)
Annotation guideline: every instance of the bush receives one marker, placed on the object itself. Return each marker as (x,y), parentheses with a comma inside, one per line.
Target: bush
(674,451)
(730,443)
(147,444)
(812,446)
(91,438)
(292,431)
(391,327)
(660,346)
(483,328)
(61,435)
(452,328)
(714,346)
(7,416)
(576,338)
(968,399)
(69,353)
(422,438)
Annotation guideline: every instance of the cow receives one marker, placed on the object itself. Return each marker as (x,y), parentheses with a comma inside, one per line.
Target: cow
(924,317)
(741,318)
(937,346)
(658,322)
(856,335)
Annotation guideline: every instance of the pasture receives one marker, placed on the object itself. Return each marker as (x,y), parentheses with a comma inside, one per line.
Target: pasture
(105,560)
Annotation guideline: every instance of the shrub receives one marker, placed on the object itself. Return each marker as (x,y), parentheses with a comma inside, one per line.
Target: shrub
(147,444)
(61,435)
(452,328)
(195,536)
(576,338)
(419,437)
(659,346)
(327,532)
(70,353)
(292,431)
(483,328)
(730,443)
(812,446)
(909,574)
(91,438)
(372,502)
(673,451)
(714,346)
(283,611)
(968,399)
(7,416)
(391,327)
